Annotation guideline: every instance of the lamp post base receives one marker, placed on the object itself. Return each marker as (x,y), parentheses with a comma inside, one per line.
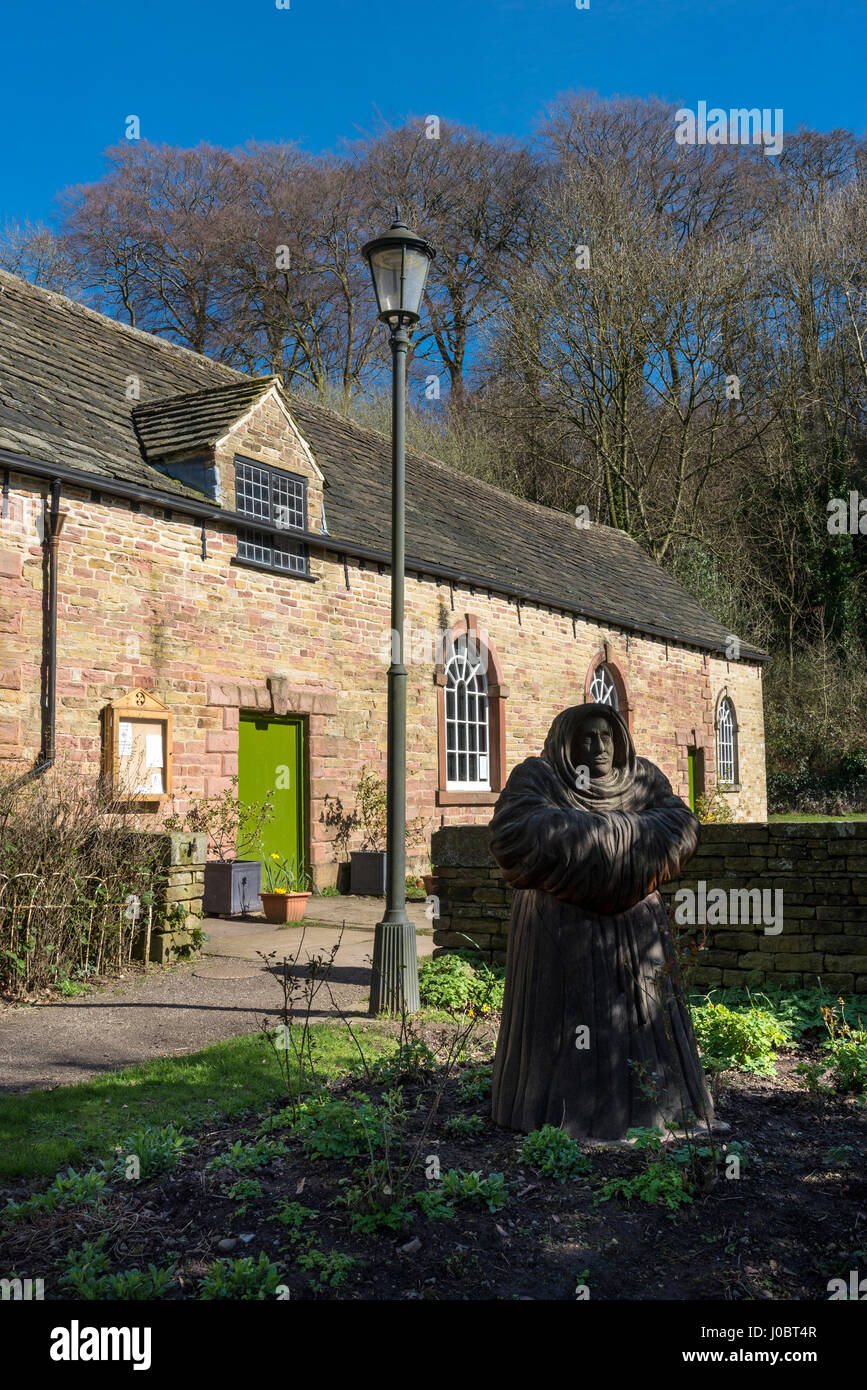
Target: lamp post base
(394,986)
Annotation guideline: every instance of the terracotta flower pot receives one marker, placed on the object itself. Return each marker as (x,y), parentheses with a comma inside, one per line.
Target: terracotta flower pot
(284,907)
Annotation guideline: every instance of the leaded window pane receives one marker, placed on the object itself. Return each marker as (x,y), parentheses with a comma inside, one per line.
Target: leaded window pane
(279,498)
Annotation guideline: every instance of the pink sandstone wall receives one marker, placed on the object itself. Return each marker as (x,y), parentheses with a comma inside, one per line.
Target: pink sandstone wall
(138,606)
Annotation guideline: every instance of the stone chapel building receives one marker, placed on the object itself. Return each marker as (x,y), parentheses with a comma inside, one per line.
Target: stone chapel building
(210,554)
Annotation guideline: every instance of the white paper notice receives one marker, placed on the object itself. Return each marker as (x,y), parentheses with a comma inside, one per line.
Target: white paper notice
(156,782)
(154,750)
(124,738)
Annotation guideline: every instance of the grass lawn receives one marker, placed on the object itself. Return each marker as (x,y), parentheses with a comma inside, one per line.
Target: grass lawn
(44,1131)
(808,816)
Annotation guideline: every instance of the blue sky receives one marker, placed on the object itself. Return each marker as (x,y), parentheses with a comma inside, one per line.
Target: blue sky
(226,72)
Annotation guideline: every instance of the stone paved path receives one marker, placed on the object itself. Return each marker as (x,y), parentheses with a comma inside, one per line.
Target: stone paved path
(227,991)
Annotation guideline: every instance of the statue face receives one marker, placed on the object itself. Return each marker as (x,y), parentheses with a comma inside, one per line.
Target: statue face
(594,747)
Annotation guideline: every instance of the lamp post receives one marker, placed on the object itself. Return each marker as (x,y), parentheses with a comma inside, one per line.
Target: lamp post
(399,263)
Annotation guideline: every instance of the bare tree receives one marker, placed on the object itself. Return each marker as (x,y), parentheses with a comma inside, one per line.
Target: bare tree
(35,252)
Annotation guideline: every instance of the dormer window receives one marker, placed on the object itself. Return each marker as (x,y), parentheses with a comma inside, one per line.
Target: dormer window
(280,498)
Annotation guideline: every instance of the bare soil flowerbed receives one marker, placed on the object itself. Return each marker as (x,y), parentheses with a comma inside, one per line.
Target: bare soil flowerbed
(795,1218)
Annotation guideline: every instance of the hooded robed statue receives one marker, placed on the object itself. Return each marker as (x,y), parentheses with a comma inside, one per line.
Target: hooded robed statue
(595,1036)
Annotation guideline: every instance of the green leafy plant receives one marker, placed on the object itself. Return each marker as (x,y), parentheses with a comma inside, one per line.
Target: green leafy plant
(245,1190)
(372,1202)
(157,1150)
(454,983)
(245,1279)
(246,1157)
(845,1069)
(461,1186)
(797,1011)
(326,1271)
(849,1062)
(463,1126)
(661,1181)
(296,1218)
(474,1085)
(433,1203)
(338,1128)
(552,1153)
(87,1276)
(744,1039)
(69,1189)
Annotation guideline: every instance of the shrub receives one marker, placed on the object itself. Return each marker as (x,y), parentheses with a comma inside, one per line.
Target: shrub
(846,1065)
(233,827)
(338,1128)
(553,1154)
(454,983)
(849,1063)
(72,868)
(743,1038)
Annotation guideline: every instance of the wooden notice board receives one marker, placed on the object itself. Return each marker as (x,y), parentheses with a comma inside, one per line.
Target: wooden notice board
(137,747)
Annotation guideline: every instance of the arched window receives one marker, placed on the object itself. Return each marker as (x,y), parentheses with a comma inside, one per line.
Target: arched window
(466,711)
(726,742)
(603,691)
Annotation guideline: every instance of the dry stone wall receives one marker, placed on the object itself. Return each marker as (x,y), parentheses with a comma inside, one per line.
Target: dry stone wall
(815,928)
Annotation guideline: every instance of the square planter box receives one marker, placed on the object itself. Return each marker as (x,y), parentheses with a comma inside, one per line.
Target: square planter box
(232,887)
(368,873)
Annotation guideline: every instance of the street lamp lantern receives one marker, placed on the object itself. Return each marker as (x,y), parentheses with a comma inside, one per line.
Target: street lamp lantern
(399,263)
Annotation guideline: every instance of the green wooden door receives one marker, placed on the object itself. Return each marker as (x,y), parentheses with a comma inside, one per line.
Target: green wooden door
(691,762)
(271,758)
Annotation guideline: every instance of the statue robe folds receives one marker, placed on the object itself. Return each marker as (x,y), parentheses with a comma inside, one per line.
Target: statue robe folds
(595,1035)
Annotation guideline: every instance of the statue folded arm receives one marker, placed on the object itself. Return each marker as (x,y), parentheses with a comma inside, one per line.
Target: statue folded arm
(604,861)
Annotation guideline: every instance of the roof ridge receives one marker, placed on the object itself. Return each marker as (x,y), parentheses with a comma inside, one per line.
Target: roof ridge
(51,296)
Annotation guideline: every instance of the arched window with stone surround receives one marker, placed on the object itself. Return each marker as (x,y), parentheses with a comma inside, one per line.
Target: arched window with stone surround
(467,726)
(603,691)
(726,742)
(471,718)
